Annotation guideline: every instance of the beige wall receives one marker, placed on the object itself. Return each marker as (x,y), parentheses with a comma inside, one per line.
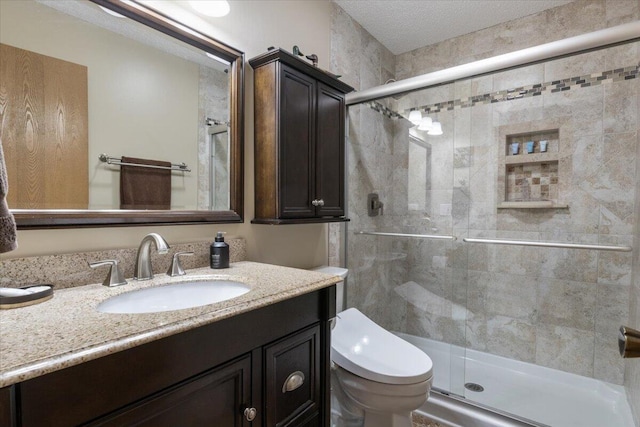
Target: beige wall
(252,26)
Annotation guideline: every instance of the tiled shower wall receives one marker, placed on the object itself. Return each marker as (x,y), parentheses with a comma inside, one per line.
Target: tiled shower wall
(567,305)
(363,62)
(572,19)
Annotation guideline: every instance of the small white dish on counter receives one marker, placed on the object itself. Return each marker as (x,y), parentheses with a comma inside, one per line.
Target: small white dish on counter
(25,296)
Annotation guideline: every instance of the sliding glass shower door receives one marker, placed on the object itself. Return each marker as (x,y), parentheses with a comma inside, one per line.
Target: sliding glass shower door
(505,245)
(407,271)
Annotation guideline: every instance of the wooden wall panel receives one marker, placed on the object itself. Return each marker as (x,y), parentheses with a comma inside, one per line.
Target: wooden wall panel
(44,130)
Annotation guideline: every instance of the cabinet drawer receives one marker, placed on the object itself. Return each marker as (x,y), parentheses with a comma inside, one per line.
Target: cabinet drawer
(292,378)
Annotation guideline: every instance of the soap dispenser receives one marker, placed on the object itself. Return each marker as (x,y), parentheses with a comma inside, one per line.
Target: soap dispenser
(219,252)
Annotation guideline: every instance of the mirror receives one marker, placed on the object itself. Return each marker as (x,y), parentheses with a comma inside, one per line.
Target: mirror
(96,95)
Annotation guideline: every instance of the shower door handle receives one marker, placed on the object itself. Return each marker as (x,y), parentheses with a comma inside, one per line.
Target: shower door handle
(629,342)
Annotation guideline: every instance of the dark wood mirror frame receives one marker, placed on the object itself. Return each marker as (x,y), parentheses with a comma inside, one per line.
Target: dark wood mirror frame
(39,219)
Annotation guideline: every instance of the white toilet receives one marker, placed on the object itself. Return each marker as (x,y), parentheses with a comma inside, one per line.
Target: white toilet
(379,376)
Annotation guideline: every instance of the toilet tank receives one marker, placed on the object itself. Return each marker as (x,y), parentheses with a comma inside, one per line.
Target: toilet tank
(336,271)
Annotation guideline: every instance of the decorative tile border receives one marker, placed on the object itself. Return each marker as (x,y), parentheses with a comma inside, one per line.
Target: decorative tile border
(619,74)
(387,112)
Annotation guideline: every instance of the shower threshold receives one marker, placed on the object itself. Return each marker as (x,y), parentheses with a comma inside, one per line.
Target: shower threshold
(455,411)
(543,395)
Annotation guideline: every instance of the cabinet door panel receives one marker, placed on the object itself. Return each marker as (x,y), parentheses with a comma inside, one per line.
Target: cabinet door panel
(330,151)
(299,353)
(297,128)
(216,398)
(7,407)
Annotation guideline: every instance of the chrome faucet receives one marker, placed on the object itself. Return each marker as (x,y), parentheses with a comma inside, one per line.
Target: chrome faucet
(143,269)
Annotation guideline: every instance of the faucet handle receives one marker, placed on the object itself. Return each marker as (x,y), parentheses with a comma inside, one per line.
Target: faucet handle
(114,277)
(176,268)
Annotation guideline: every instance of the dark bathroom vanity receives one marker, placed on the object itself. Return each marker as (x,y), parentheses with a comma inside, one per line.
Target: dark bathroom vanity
(265,367)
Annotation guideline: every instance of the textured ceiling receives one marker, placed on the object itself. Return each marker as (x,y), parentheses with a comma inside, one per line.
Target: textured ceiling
(404,25)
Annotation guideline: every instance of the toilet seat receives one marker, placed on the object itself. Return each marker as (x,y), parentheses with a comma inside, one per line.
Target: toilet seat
(363,348)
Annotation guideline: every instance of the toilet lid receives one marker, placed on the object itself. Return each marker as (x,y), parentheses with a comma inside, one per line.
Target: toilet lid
(365,349)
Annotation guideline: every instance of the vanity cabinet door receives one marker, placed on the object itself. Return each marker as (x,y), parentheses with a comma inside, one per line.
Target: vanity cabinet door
(292,380)
(7,407)
(215,398)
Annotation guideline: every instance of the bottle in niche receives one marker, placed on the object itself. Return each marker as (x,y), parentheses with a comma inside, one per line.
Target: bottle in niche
(219,252)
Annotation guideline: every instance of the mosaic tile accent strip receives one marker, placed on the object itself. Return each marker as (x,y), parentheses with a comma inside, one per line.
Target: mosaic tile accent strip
(595,79)
(385,111)
(537,89)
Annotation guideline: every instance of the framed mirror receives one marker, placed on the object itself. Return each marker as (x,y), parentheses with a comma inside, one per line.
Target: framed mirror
(114,114)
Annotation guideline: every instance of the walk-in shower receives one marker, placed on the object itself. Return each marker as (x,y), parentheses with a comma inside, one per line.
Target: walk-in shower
(455,263)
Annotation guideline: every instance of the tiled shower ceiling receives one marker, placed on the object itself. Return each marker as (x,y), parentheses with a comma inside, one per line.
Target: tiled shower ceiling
(405,25)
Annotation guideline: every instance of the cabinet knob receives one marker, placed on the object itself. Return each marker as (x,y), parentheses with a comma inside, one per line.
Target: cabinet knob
(250,413)
(293,381)
(318,202)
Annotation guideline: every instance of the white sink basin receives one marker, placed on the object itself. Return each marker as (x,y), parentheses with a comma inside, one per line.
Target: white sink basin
(176,296)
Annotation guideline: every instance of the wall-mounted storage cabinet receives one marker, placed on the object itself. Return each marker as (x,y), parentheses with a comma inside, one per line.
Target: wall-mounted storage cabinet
(299,141)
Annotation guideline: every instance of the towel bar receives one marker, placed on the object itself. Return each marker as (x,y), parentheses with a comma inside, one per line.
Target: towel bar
(116,161)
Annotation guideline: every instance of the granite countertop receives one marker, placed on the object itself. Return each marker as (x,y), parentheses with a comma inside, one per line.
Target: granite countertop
(68,330)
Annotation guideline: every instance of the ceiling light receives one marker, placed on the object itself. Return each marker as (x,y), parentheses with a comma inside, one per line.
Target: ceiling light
(211,8)
(425,124)
(111,12)
(415,117)
(217,58)
(436,129)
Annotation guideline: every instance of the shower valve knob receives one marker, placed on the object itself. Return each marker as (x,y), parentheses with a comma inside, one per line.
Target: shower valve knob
(629,342)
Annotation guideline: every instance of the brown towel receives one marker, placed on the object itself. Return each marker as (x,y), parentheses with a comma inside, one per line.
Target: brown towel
(145,188)
(8,235)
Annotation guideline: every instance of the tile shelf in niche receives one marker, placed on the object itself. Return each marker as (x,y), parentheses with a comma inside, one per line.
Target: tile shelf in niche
(532,204)
(531,158)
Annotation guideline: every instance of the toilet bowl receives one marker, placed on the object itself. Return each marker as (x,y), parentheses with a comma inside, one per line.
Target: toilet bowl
(375,375)
(378,372)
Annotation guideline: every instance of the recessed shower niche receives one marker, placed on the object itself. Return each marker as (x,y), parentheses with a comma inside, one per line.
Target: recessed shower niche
(531,170)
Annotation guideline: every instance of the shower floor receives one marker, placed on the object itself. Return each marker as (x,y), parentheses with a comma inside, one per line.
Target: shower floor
(542,395)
